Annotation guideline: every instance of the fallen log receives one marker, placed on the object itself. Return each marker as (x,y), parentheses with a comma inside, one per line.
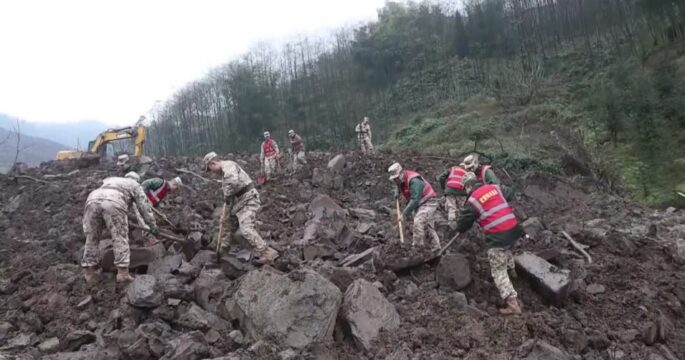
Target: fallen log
(352,259)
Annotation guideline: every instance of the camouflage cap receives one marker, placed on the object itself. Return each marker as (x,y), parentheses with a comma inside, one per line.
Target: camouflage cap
(208,158)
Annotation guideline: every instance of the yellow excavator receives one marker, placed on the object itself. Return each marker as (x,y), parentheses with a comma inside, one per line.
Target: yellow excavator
(99,145)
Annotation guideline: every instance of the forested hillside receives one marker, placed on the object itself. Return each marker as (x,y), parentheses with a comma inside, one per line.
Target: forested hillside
(570,86)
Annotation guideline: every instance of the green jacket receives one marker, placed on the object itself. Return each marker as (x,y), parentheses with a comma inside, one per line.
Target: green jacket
(415,190)
(442,180)
(504,239)
(152,184)
(490,178)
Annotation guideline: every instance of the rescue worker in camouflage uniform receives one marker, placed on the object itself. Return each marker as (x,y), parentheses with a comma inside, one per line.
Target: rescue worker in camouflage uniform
(363,131)
(421,197)
(452,186)
(242,198)
(297,146)
(157,189)
(488,204)
(484,173)
(269,156)
(107,206)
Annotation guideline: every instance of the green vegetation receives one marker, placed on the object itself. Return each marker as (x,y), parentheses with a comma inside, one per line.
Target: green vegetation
(573,87)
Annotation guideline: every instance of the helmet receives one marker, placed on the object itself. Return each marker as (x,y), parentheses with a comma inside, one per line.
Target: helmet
(291,132)
(208,158)
(366,119)
(133,176)
(267,134)
(469,180)
(395,170)
(471,162)
(176,181)
(122,160)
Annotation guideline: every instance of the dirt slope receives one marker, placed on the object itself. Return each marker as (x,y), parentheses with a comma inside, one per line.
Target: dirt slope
(630,296)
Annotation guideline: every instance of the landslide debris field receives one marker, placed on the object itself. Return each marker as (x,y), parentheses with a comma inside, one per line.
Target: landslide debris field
(184,304)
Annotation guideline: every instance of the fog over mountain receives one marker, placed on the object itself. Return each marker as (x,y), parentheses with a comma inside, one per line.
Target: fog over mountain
(70,134)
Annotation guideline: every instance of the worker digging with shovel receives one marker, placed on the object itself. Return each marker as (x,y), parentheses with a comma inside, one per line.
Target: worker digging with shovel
(241,199)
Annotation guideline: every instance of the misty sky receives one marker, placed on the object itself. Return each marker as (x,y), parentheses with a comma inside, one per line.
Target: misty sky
(71,60)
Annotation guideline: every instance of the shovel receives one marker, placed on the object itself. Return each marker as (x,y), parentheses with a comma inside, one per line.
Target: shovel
(220,236)
(399,221)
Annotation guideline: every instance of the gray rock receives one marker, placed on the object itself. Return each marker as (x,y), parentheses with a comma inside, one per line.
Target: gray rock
(237,337)
(594,289)
(208,288)
(49,345)
(99,354)
(198,319)
(457,300)
(551,282)
(402,353)
(139,257)
(5,329)
(190,346)
(165,265)
(7,287)
(287,354)
(294,310)
(18,342)
(337,163)
(78,338)
(367,311)
(157,335)
(453,272)
(363,214)
(540,350)
(145,292)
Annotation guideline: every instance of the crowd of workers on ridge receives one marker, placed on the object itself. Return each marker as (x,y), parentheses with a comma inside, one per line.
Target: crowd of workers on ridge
(475,186)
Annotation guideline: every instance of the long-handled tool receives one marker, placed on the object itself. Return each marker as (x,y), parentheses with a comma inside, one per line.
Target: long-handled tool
(220,236)
(399,221)
(681,194)
(160,234)
(454,238)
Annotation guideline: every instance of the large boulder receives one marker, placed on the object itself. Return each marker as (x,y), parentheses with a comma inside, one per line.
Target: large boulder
(368,312)
(329,223)
(294,310)
(337,163)
(189,346)
(550,281)
(145,292)
(453,272)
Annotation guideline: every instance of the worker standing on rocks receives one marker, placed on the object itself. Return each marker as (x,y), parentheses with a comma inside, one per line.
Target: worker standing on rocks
(488,205)
(242,198)
(108,206)
(297,146)
(452,186)
(269,155)
(363,130)
(421,197)
(157,189)
(484,173)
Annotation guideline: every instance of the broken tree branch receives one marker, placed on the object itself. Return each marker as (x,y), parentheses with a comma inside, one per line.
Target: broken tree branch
(580,247)
(31,178)
(194,174)
(681,194)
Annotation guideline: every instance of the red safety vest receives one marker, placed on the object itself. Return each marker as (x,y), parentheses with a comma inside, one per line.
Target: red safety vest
(428,192)
(454,180)
(268,147)
(155,196)
(296,143)
(494,213)
(481,174)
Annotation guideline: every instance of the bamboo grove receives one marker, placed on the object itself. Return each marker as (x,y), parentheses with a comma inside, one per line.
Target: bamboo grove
(414,56)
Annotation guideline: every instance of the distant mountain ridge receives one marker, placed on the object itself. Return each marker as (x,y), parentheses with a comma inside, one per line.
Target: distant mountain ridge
(74,135)
(33,150)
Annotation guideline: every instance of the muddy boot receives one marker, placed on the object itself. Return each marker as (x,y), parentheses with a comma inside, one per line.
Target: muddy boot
(266,256)
(513,307)
(123,275)
(90,274)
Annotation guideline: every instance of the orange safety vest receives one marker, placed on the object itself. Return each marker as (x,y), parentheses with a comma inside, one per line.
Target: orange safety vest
(155,196)
(454,180)
(428,192)
(494,213)
(268,148)
(481,173)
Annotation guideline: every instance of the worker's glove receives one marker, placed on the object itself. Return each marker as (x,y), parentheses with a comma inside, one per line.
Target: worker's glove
(229,200)
(453,225)
(153,231)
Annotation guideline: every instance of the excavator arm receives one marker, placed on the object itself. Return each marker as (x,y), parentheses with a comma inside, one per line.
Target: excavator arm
(97,146)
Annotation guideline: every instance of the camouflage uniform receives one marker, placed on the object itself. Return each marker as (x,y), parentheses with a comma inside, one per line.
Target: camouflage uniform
(364,132)
(107,207)
(501,260)
(245,206)
(298,159)
(452,208)
(424,224)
